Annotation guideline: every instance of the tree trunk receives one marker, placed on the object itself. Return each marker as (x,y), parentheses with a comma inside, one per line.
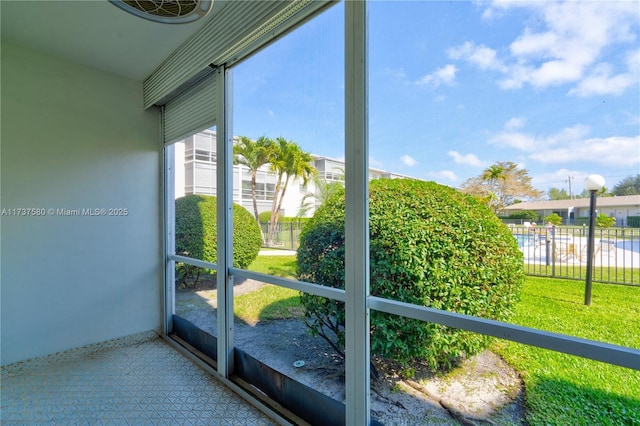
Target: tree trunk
(255,201)
(274,205)
(276,217)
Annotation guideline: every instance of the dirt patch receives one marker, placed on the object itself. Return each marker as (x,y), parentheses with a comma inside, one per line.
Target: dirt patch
(483,390)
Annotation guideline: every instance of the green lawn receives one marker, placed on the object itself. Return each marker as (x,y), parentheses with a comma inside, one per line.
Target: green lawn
(602,274)
(268,303)
(563,389)
(560,389)
(280,266)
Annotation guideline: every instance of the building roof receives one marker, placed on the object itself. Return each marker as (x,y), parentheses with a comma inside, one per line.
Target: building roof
(623,201)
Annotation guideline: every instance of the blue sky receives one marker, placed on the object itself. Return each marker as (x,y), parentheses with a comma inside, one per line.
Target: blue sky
(457,86)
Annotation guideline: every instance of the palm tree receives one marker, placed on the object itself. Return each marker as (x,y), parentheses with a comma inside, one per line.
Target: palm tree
(323,191)
(493,175)
(253,155)
(289,161)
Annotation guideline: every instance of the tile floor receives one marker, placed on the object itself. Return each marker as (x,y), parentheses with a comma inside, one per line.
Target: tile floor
(144,383)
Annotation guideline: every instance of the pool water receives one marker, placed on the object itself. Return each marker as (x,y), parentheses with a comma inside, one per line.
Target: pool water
(525,240)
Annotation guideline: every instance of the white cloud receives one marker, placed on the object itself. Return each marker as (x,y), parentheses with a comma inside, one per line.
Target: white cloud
(409,161)
(446,175)
(396,73)
(482,56)
(445,75)
(529,44)
(563,44)
(601,82)
(529,143)
(615,151)
(519,141)
(560,179)
(515,123)
(468,159)
(270,113)
(372,162)
(572,144)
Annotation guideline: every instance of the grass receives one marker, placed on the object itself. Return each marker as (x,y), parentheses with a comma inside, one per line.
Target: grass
(628,276)
(279,266)
(268,303)
(564,389)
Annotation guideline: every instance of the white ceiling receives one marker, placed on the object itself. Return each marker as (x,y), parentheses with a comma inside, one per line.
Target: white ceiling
(95,33)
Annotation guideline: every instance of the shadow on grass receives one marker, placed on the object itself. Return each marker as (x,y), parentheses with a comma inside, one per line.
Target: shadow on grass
(559,402)
(289,308)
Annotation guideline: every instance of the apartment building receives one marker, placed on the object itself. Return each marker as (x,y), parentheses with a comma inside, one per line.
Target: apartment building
(195,173)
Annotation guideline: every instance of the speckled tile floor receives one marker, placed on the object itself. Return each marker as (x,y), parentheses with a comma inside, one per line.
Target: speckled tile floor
(147,383)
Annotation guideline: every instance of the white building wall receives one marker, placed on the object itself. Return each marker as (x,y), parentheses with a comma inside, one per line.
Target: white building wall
(203,173)
(76,138)
(178,153)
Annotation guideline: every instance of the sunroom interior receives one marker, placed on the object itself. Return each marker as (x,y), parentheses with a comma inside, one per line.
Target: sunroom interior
(93,102)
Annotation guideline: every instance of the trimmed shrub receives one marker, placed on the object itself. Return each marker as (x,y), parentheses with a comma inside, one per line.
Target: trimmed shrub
(196,230)
(529,215)
(604,221)
(431,246)
(265,217)
(554,218)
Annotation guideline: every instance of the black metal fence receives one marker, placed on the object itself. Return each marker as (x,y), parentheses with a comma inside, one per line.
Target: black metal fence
(561,252)
(286,235)
(556,252)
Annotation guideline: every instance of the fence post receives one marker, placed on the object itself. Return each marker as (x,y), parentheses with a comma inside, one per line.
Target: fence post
(553,255)
(291,233)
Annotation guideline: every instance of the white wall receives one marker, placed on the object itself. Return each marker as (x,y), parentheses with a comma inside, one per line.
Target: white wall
(178,169)
(75,138)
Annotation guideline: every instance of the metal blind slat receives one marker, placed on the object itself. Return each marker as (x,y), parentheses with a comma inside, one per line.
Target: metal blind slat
(191,111)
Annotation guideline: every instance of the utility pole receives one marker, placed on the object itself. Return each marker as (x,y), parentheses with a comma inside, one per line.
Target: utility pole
(570,178)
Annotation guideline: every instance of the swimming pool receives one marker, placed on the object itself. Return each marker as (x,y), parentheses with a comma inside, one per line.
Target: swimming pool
(525,240)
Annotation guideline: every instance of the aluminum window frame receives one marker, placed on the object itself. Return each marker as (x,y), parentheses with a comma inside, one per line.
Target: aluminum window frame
(358,301)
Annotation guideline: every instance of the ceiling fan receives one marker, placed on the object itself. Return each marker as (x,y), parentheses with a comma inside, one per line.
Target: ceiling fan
(166,11)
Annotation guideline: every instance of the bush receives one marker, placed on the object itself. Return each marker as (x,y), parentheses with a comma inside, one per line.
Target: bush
(528,215)
(604,221)
(633,221)
(582,221)
(265,217)
(431,246)
(554,218)
(196,231)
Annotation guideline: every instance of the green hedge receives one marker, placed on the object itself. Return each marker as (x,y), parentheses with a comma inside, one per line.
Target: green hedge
(633,221)
(265,217)
(196,231)
(529,215)
(431,246)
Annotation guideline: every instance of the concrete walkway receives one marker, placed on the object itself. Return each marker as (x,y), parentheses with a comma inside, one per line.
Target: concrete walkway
(276,252)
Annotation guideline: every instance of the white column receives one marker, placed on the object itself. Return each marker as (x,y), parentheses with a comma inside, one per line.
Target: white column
(224,194)
(356,216)
(168,307)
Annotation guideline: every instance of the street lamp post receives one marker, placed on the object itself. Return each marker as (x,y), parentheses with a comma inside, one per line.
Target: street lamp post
(593,183)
